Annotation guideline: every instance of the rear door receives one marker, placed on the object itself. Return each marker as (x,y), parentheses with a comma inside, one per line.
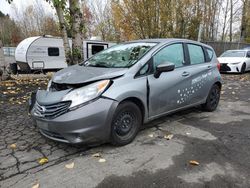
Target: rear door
(200,70)
(169,91)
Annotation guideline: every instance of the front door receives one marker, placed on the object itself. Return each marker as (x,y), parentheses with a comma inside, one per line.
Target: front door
(171,90)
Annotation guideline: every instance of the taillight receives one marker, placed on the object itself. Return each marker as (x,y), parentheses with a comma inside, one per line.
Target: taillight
(218,65)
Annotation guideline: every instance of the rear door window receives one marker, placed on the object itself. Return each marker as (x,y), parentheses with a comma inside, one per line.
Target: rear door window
(196,54)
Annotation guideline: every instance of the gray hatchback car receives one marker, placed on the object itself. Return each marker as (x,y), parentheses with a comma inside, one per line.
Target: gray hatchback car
(108,97)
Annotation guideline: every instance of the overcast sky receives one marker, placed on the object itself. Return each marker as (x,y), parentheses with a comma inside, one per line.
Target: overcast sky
(6,8)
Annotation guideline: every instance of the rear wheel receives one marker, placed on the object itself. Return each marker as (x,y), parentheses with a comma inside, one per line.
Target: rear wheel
(126,123)
(243,68)
(212,99)
(13,68)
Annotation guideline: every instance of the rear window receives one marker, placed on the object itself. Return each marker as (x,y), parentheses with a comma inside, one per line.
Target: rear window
(52,51)
(196,54)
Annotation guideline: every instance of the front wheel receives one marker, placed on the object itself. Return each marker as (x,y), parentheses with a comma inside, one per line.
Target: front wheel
(212,99)
(243,68)
(126,123)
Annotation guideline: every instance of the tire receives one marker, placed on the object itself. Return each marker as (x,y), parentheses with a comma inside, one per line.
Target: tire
(125,124)
(213,99)
(13,68)
(243,68)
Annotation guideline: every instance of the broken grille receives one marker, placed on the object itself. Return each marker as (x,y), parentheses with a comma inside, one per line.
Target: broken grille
(52,110)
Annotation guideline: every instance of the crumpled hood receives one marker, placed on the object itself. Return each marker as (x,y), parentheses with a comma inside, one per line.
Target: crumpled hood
(77,74)
(231,59)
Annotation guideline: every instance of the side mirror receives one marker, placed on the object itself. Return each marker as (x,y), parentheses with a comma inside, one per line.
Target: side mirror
(165,67)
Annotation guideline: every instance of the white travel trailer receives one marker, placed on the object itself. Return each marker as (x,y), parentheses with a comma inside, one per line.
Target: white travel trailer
(45,53)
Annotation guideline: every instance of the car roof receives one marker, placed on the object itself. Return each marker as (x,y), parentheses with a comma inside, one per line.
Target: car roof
(167,40)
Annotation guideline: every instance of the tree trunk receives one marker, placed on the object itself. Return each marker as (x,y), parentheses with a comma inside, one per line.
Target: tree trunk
(77,31)
(231,21)
(67,50)
(2,62)
(243,22)
(224,22)
(3,72)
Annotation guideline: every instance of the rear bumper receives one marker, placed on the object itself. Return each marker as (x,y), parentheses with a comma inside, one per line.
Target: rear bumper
(88,124)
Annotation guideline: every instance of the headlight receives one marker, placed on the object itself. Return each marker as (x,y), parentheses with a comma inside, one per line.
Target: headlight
(235,63)
(86,93)
(49,84)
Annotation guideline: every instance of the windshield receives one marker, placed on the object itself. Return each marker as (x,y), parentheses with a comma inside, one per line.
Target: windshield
(120,56)
(234,54)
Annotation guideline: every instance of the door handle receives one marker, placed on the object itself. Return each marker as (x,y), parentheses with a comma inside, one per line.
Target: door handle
(185,73)
(209,67)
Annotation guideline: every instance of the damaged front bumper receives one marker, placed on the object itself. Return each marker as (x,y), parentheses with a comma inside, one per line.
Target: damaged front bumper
(234,68)
(88,124)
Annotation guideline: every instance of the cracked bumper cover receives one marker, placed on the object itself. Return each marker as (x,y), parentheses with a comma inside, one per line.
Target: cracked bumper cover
(227,67)
(87,124)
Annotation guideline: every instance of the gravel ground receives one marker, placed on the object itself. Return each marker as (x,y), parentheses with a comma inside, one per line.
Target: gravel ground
(220,141)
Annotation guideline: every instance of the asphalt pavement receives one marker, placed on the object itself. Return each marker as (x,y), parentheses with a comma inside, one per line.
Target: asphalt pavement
(159,156)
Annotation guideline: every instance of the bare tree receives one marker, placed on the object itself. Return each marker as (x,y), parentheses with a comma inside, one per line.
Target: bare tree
(102,18)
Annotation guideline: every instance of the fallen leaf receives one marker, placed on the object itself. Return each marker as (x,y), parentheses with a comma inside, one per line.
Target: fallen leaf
(12,92)
(36,185)
(102,160)
(168,137)
(13,146)
(194,162)
(96,155)
(188,133)
(233,93)
(151,135)
(70,165)
(43,161)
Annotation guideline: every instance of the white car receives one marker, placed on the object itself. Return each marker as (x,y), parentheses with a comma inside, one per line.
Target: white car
(237,61)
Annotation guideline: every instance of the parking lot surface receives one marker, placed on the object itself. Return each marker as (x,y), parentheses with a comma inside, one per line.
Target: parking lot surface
(218,141)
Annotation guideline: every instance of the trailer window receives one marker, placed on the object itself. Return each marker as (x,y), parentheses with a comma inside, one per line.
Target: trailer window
(96,49)
(52,51)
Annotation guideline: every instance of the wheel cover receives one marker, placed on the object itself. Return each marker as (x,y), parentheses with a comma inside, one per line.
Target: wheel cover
(124,123)
(214,97)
